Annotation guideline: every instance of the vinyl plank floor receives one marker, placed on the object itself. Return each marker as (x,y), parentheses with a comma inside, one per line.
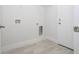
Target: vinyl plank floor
(42,47)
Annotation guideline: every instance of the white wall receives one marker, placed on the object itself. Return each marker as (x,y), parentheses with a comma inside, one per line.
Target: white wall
(76,34)
(0,41)
(51,22)
(27,30)
(65,29)
(0,25)
(63,35)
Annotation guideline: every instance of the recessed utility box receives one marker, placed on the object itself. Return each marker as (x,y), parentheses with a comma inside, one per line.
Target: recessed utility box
(76,28)
(40,30)
(17,21)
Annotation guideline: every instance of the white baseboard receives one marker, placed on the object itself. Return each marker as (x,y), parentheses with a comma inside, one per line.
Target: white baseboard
(19,44)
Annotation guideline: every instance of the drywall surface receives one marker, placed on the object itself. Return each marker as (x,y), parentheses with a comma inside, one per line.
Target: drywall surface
(31,18)
(65,29)
(27,29)
(0,25)
(61,34)
(51,22)
(76,34)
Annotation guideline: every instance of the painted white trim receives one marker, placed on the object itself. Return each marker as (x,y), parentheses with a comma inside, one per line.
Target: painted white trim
(19,44)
